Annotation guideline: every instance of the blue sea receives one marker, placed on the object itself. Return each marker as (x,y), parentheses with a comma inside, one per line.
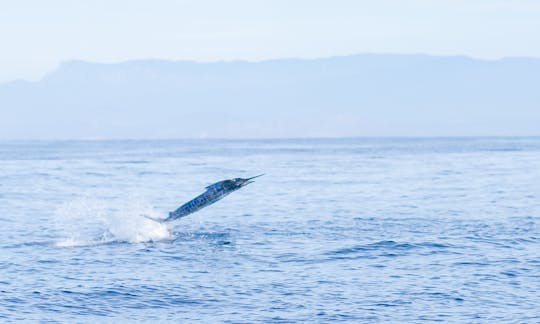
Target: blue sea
(400,230)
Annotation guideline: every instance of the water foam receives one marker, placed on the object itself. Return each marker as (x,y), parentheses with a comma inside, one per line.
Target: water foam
(89,220)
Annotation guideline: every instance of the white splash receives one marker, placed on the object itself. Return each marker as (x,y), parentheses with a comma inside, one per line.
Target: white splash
(90,221)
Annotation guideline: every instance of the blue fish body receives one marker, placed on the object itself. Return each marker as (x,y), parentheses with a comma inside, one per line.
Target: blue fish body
(213,193)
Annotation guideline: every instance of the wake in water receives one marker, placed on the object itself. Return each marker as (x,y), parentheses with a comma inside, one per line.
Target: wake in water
(91,221)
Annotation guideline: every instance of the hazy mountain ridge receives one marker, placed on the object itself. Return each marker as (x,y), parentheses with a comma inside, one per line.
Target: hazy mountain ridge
(361,95)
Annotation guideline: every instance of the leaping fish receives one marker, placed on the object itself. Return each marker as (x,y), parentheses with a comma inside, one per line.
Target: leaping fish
(213,193)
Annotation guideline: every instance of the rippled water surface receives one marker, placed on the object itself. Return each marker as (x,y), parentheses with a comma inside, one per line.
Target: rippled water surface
(354,230)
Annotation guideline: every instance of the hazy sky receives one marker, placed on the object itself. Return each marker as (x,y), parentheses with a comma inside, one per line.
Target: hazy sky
(37,35)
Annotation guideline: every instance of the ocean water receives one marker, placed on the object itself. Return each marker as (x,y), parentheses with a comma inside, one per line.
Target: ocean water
(351,230)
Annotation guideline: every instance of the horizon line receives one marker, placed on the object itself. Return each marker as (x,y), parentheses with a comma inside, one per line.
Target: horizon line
(267,138)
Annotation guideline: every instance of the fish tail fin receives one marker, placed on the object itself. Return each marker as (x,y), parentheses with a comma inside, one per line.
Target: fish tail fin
(169,218)
(153,219)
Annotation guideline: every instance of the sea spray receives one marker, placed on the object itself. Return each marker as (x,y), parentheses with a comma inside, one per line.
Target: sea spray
(91,220)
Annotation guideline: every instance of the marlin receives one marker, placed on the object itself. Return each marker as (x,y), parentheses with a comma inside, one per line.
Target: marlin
(213,193)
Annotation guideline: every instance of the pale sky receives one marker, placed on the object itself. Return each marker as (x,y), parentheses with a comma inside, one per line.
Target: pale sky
(36,35)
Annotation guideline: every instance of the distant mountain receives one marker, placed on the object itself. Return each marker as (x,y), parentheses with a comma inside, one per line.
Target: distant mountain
(361,95)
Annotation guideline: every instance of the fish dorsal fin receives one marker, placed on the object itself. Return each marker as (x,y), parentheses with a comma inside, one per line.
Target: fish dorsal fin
(214,184)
